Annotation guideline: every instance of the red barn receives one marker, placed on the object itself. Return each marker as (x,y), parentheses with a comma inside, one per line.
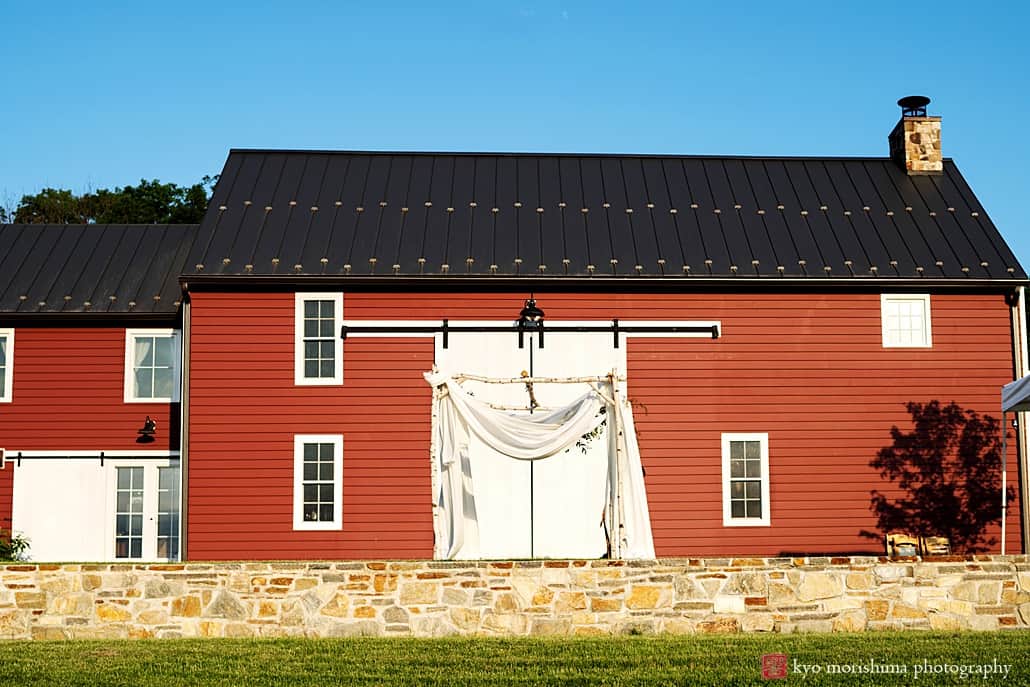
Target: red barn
(766,322)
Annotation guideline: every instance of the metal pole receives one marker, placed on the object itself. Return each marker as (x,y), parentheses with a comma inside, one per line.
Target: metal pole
(532,485)
(1004,476)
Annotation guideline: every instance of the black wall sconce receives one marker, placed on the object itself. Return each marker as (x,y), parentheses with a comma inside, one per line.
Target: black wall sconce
(147,431)
(531,319)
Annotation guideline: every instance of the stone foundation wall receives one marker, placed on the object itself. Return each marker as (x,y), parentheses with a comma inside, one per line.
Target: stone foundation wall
(434,598)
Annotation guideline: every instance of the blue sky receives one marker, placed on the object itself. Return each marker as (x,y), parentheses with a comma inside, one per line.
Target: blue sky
(101,95)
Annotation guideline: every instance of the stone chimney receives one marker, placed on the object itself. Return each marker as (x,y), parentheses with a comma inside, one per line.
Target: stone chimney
(915,142)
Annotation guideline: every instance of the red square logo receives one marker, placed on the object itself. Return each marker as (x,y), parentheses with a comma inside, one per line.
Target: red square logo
(774,666)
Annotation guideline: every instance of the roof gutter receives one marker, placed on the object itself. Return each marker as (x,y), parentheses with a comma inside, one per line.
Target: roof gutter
(88,319)
(564,283)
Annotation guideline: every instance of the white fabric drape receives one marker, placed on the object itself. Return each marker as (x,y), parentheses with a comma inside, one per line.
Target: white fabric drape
(458,416)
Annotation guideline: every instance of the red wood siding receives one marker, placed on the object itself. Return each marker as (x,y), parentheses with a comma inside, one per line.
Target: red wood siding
(69,395)
(809,370)
(245,411)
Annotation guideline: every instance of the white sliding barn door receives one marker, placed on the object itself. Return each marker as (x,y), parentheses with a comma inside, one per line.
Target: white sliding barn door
(550,508)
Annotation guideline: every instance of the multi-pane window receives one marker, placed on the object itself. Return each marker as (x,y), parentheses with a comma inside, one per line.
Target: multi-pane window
(905,320)
(319,348)
(128,517)
(318,485)
(151,365)
(319,340)
(745,466)
(6,357)
(168,513)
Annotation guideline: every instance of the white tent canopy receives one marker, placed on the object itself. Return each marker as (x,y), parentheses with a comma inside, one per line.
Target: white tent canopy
(472,449)
(1015,396)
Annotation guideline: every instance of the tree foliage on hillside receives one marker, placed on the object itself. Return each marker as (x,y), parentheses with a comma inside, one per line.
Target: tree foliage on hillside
(149,202)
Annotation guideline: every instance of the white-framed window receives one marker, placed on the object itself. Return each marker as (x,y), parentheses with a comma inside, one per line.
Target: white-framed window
(145,509)
(128,514)
(151,365)
(6,365)
(905,319)
(318,347)
(745,480)
(318,482)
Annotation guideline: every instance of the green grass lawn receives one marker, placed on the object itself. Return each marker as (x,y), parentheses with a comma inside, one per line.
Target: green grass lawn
(705,660)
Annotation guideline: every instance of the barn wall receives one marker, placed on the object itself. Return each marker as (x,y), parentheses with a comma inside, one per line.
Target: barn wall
(69,395)
(808,369)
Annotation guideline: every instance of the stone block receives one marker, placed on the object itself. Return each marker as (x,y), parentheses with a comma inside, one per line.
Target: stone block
(78,603)
(465,619)
(945,622)
(60,584)
(570,601)
(781,594)
(267,609)
(605,604)
(187,606)
(506,603)
(542,597)
(384,583)
(356,628)
(757,622)
(892,573)
(983,623)
(30,600)
(455,597)
(550,627)
(505,623)
(395,614)
(877,609)
(364,612)
(109,613)
(303,583)
(746,584)
(859,580)
(419,593)
(849,621)
(678,626)
(729,604)
(14,624)
(820,626)
(816,585)
(226,605)
(432,626)
(158,589)
(641,626)
(989,592)
(153,616)
(591,632)
(49,632)
(643,596)
(719,625)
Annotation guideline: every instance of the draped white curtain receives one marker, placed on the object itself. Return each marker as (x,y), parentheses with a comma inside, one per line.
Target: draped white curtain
(461,421)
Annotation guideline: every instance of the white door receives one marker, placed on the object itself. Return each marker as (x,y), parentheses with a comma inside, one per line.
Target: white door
(548,508)
(77,509)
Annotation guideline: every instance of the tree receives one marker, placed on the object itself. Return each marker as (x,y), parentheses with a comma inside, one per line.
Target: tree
(150,202)
(948,469)
(50,206)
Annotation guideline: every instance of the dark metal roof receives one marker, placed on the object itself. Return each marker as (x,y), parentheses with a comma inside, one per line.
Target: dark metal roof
(294,214)
(92,269)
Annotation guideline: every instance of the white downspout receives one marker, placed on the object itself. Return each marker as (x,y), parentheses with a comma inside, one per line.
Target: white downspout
(1022,431)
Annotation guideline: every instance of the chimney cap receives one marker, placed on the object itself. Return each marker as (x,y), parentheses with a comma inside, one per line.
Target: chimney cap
(914,105)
